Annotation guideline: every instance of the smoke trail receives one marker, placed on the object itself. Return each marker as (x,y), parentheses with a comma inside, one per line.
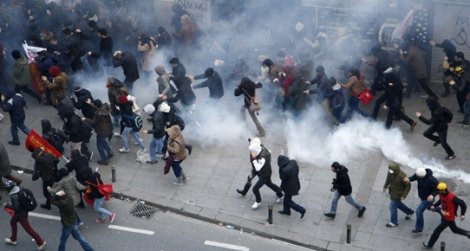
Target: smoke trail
(314,142)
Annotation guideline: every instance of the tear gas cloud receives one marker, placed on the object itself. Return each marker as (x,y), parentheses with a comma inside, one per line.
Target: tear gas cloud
(241,31)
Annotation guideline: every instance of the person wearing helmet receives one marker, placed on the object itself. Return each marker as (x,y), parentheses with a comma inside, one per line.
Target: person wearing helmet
(398,189)
(459,80)
(447,206)
(19,214)
(426,191)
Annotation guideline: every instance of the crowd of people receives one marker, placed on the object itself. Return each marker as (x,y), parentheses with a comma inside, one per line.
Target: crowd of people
(90,42)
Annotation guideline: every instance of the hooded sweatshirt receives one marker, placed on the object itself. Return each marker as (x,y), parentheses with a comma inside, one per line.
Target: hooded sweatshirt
(289,175)
(342,183)
(21,73)
(397,187)
(426,185)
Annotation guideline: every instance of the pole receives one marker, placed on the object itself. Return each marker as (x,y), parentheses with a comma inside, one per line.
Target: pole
(113,173)
(270,214)
(443,246)
(348,234)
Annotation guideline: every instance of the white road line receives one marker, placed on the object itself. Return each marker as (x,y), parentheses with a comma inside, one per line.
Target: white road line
(130,229)
(225,245)
(44,216)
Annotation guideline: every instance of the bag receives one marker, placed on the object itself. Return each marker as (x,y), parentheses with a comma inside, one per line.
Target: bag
(87,199)
(136,121)
(105,189)
(254,102)
(168,163)
(27,200)
(365,96)
(448,116)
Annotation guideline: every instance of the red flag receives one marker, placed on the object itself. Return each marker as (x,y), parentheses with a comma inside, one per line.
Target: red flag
(34,141)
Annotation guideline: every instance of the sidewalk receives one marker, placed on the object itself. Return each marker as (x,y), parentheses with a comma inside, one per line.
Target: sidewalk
(215,172)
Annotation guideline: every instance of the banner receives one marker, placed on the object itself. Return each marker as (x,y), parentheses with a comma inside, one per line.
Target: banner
(32,51)
(34,141)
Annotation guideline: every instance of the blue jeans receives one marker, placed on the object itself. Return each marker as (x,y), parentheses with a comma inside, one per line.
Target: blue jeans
(116,119)
(349,199)
(419,214)
(14,130)
(102,213)
(353,107)
(103,147)
(135,135)
(466,111)
(156,146)
(397,204)
(73,229)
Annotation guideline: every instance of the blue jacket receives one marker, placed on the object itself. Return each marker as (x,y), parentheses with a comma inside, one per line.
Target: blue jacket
(14,104)
(426,185)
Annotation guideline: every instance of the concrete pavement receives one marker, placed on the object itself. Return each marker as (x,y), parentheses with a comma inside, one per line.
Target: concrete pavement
(216,170)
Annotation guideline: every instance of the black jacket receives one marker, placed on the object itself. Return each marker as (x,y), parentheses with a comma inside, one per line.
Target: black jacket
(214,83)
(247,88)
(158,121)
(81,168)
(438,118)
(94,180)
(185,91)
(289,175)
(129,65)
(88,110)
(45,166)
(266,170)
(179,70)
(342,183)
(14,104)
(73,128)
(15,203)
(427,185)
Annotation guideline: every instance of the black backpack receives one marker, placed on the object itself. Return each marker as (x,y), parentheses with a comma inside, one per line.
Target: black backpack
(87,131)
(27,200)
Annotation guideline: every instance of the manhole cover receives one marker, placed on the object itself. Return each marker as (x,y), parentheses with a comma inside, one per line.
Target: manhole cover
(141,210)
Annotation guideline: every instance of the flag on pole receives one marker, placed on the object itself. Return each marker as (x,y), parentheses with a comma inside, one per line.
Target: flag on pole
(35,141)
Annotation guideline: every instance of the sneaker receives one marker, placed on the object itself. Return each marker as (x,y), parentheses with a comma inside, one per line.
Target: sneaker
(330,215)
(14,143)
(278,200)
(142,150)
(80,223)
(99,221)
(415,231)
(408,216)
(42,246)
(450,157)
(102,162)
(303,213)
(112,217)
(361,212)
(178,182)
(255,205)
(10,242)
(123,150)
(426,245)
(413,125)
(152,161)
(241,192)
(117,134)
(463,124)
(390,224)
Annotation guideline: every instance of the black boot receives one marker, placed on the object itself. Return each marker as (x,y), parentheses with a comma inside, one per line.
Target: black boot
(246,188)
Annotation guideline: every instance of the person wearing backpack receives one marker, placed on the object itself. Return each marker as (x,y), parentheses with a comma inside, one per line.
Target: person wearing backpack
(78,133)
(439,121)
(128,124)
(98,199)
(19,214)
(45,166)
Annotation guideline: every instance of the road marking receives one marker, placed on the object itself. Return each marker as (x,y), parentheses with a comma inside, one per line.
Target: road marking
(44,216)
(225,245)
(131,229)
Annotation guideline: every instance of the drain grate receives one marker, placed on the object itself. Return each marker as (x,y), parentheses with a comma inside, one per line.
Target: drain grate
(141,210)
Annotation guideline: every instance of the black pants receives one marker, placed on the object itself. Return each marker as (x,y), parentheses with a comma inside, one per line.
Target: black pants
(396,112)
(444,224)
(46,193)
(262,180)
(289,203)
(377,105)
(424,85)
(461,97)
(440,138)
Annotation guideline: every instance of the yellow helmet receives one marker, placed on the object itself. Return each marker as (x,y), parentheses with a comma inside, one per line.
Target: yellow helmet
(458,69)
(441,186)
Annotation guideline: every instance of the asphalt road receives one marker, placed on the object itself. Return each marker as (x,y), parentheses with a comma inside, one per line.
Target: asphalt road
(164,231)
